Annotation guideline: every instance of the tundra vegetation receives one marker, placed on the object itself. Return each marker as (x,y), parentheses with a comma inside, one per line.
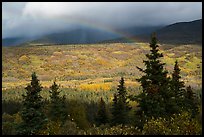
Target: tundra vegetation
(102,89)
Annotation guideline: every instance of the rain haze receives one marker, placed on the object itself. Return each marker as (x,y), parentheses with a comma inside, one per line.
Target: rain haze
(39,18)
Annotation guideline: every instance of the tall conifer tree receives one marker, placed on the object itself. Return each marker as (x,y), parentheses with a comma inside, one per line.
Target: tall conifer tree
(191,102)
(120,105)
(102,115)
(177,86)
(34,119)
(176,102)
(155,84)
(58,110)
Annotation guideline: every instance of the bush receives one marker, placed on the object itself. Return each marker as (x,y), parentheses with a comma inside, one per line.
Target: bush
(11,106)
(9,123)
(70,128)
(78,114)
(179,124)
(115,130)
(24,59)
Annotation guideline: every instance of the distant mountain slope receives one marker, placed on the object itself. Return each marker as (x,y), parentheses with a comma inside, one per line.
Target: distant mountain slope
(178,33)
(181,33)
(86,35)
(13,41)
(78,36)
(82,35)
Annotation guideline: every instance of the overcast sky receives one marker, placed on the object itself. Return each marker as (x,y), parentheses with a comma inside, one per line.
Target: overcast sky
(36,18)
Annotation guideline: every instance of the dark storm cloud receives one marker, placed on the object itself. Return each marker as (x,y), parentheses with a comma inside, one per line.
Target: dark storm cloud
(33,18)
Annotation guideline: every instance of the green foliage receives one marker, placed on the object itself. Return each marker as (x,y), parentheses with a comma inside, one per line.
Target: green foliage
(32,111)
(121,105)
(51,128)
(191,102)
(70,128)
(178,124)
(58,110)
(176,102)
(78,114)
(161,95)
(8,128)
(11,106)
(102,114)
(154,83)
(10,123)
(114,130)
(177,85)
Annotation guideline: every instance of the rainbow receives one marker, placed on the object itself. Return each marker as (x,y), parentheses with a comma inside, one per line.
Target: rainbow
(92,24)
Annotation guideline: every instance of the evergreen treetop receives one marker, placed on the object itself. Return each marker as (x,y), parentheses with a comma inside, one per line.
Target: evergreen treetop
(121,105)
(58,110)
(102,115)
(155,75)
(177,85)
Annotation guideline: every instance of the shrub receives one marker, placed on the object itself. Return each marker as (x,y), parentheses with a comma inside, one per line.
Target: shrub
(9,123)
(24,59)
(178,124)
(115,130)
(70,128)
(78,114)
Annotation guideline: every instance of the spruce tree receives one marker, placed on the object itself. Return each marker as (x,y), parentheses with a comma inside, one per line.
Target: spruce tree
(58,111)
(176,102)
(177,86)
(120,105)
(155,75)
(102,115)
(33,118)
(191,102)
(155,84)
(189,93)
(115,110)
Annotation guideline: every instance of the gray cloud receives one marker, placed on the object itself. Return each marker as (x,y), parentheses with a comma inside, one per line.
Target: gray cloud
(36,18)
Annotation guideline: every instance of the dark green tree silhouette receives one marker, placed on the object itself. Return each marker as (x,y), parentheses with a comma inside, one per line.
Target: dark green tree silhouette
(120,105)
(58,110)
(176,102)
(115,110)
(155,75)
(155,84)
(191,102)
(177,86)
(34,119)
(189,93)
(102,115)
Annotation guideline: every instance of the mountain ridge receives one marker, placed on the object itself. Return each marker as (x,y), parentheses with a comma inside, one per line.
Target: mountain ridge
(176,33)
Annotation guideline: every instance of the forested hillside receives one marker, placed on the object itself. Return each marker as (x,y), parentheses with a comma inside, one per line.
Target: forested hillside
(102,89)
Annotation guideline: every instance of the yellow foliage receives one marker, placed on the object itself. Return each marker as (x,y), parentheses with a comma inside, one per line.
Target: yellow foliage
(170,54)
(82,57)
(121,63)
(132,83)
(118,52)
(101,61)
(24,59)
(18,118)
(35,60)
(96,86)
(68,61)
(57,53)
(168,60)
